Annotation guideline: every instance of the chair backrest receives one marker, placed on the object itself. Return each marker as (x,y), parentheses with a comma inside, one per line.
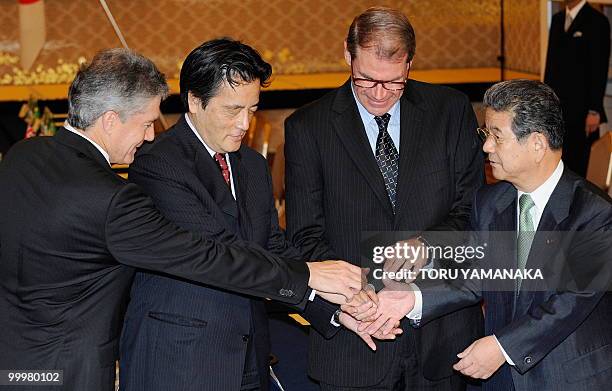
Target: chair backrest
(600,162)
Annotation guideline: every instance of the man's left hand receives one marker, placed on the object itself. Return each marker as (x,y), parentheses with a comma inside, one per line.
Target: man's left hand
(393,305)
(592,122)
(411,265)
(481,359)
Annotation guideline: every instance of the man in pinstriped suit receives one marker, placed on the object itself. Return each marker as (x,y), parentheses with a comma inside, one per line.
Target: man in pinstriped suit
(179,334)
(382,153)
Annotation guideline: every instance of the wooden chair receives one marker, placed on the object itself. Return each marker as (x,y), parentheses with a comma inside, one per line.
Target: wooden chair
(600,162)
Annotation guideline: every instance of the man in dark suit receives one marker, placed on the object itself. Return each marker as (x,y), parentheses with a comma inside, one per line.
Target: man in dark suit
(179,334)
(577,70)
(382,153)
(69,224)
(545,333)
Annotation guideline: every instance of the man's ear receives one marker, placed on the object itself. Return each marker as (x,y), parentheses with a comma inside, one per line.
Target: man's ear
(109,120)
(347,54)
(539,145)
(193,102)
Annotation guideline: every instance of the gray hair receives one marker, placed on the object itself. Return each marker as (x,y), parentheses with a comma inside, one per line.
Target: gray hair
(534,108)
(387,30)
(117,80)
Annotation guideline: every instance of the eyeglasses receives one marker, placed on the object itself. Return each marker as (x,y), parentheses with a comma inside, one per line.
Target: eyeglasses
(484,134)
(371,83)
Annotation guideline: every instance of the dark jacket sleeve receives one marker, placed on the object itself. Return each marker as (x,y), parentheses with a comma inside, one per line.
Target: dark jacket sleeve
(599,52)
(137,235)
(466,156)
(305,214)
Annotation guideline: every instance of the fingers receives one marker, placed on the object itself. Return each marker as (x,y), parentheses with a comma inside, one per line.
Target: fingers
(359,299)
(377,324)
(371,294)
(367,338)
(392,335)
(359,311)
(463,364)
(366,313)
(467,350)
(389,325)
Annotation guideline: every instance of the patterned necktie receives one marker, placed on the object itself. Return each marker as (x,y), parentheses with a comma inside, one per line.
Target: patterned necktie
(387,157)
(220,158)
(568,21)
(525,234)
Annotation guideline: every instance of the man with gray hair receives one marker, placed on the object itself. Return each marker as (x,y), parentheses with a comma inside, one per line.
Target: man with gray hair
(549,335)
(69,225)
(382,153)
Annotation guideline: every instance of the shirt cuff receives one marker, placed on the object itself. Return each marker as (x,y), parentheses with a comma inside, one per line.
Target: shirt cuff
(508,359)
(416,313)
(312,295)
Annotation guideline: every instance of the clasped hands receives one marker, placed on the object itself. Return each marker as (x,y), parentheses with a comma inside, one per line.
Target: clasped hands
(377,316)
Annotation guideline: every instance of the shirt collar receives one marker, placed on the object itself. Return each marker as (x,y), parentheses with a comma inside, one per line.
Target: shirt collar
(576,9)
(70,128)
(541,195)
(366,116)
(210,151)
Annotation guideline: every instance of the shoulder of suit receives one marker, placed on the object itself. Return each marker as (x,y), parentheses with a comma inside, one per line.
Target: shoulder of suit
(489,193)
(435,90)
(316,107)
(250,156)
(166,144)
(586,193)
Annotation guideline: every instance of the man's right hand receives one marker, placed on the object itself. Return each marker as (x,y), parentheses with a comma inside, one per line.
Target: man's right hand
(353,324)
(336,277)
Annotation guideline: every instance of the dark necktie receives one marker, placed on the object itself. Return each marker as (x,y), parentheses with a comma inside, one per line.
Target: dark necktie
(387,157)
(220,158)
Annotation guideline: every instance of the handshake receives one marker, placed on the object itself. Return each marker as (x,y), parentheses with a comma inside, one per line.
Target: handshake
(369,314)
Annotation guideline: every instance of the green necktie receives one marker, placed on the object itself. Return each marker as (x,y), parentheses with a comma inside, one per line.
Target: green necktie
(525,234)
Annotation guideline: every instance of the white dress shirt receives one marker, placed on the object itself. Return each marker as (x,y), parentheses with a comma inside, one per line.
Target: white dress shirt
(574,11)
(371,127)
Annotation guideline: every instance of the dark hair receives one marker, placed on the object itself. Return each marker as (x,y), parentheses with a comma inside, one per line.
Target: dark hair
(210,64)
(387,30)
(534,108)
(117,79)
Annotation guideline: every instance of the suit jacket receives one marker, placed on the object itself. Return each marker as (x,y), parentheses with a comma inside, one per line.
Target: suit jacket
(577,70)
(335,192)
(68,226)
(559,339)
(183,335)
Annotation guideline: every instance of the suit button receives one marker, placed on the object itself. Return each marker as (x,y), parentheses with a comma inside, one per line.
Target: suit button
(245,338)
(283,292)
(528,360)
(289,293)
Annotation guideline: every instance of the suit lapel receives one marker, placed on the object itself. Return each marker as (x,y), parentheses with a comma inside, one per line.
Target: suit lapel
(503,227)
(546,242)
(241,182)
(578,23)
(206,169)
(411,130)
(351,132)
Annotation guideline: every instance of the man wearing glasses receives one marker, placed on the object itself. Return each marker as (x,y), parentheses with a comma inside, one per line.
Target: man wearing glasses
(382,153)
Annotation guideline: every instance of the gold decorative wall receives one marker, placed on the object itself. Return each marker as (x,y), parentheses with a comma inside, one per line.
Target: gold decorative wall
(296,36)
(522,31)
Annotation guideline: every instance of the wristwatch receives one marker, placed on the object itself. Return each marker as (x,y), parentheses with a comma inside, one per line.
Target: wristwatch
(335,320)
